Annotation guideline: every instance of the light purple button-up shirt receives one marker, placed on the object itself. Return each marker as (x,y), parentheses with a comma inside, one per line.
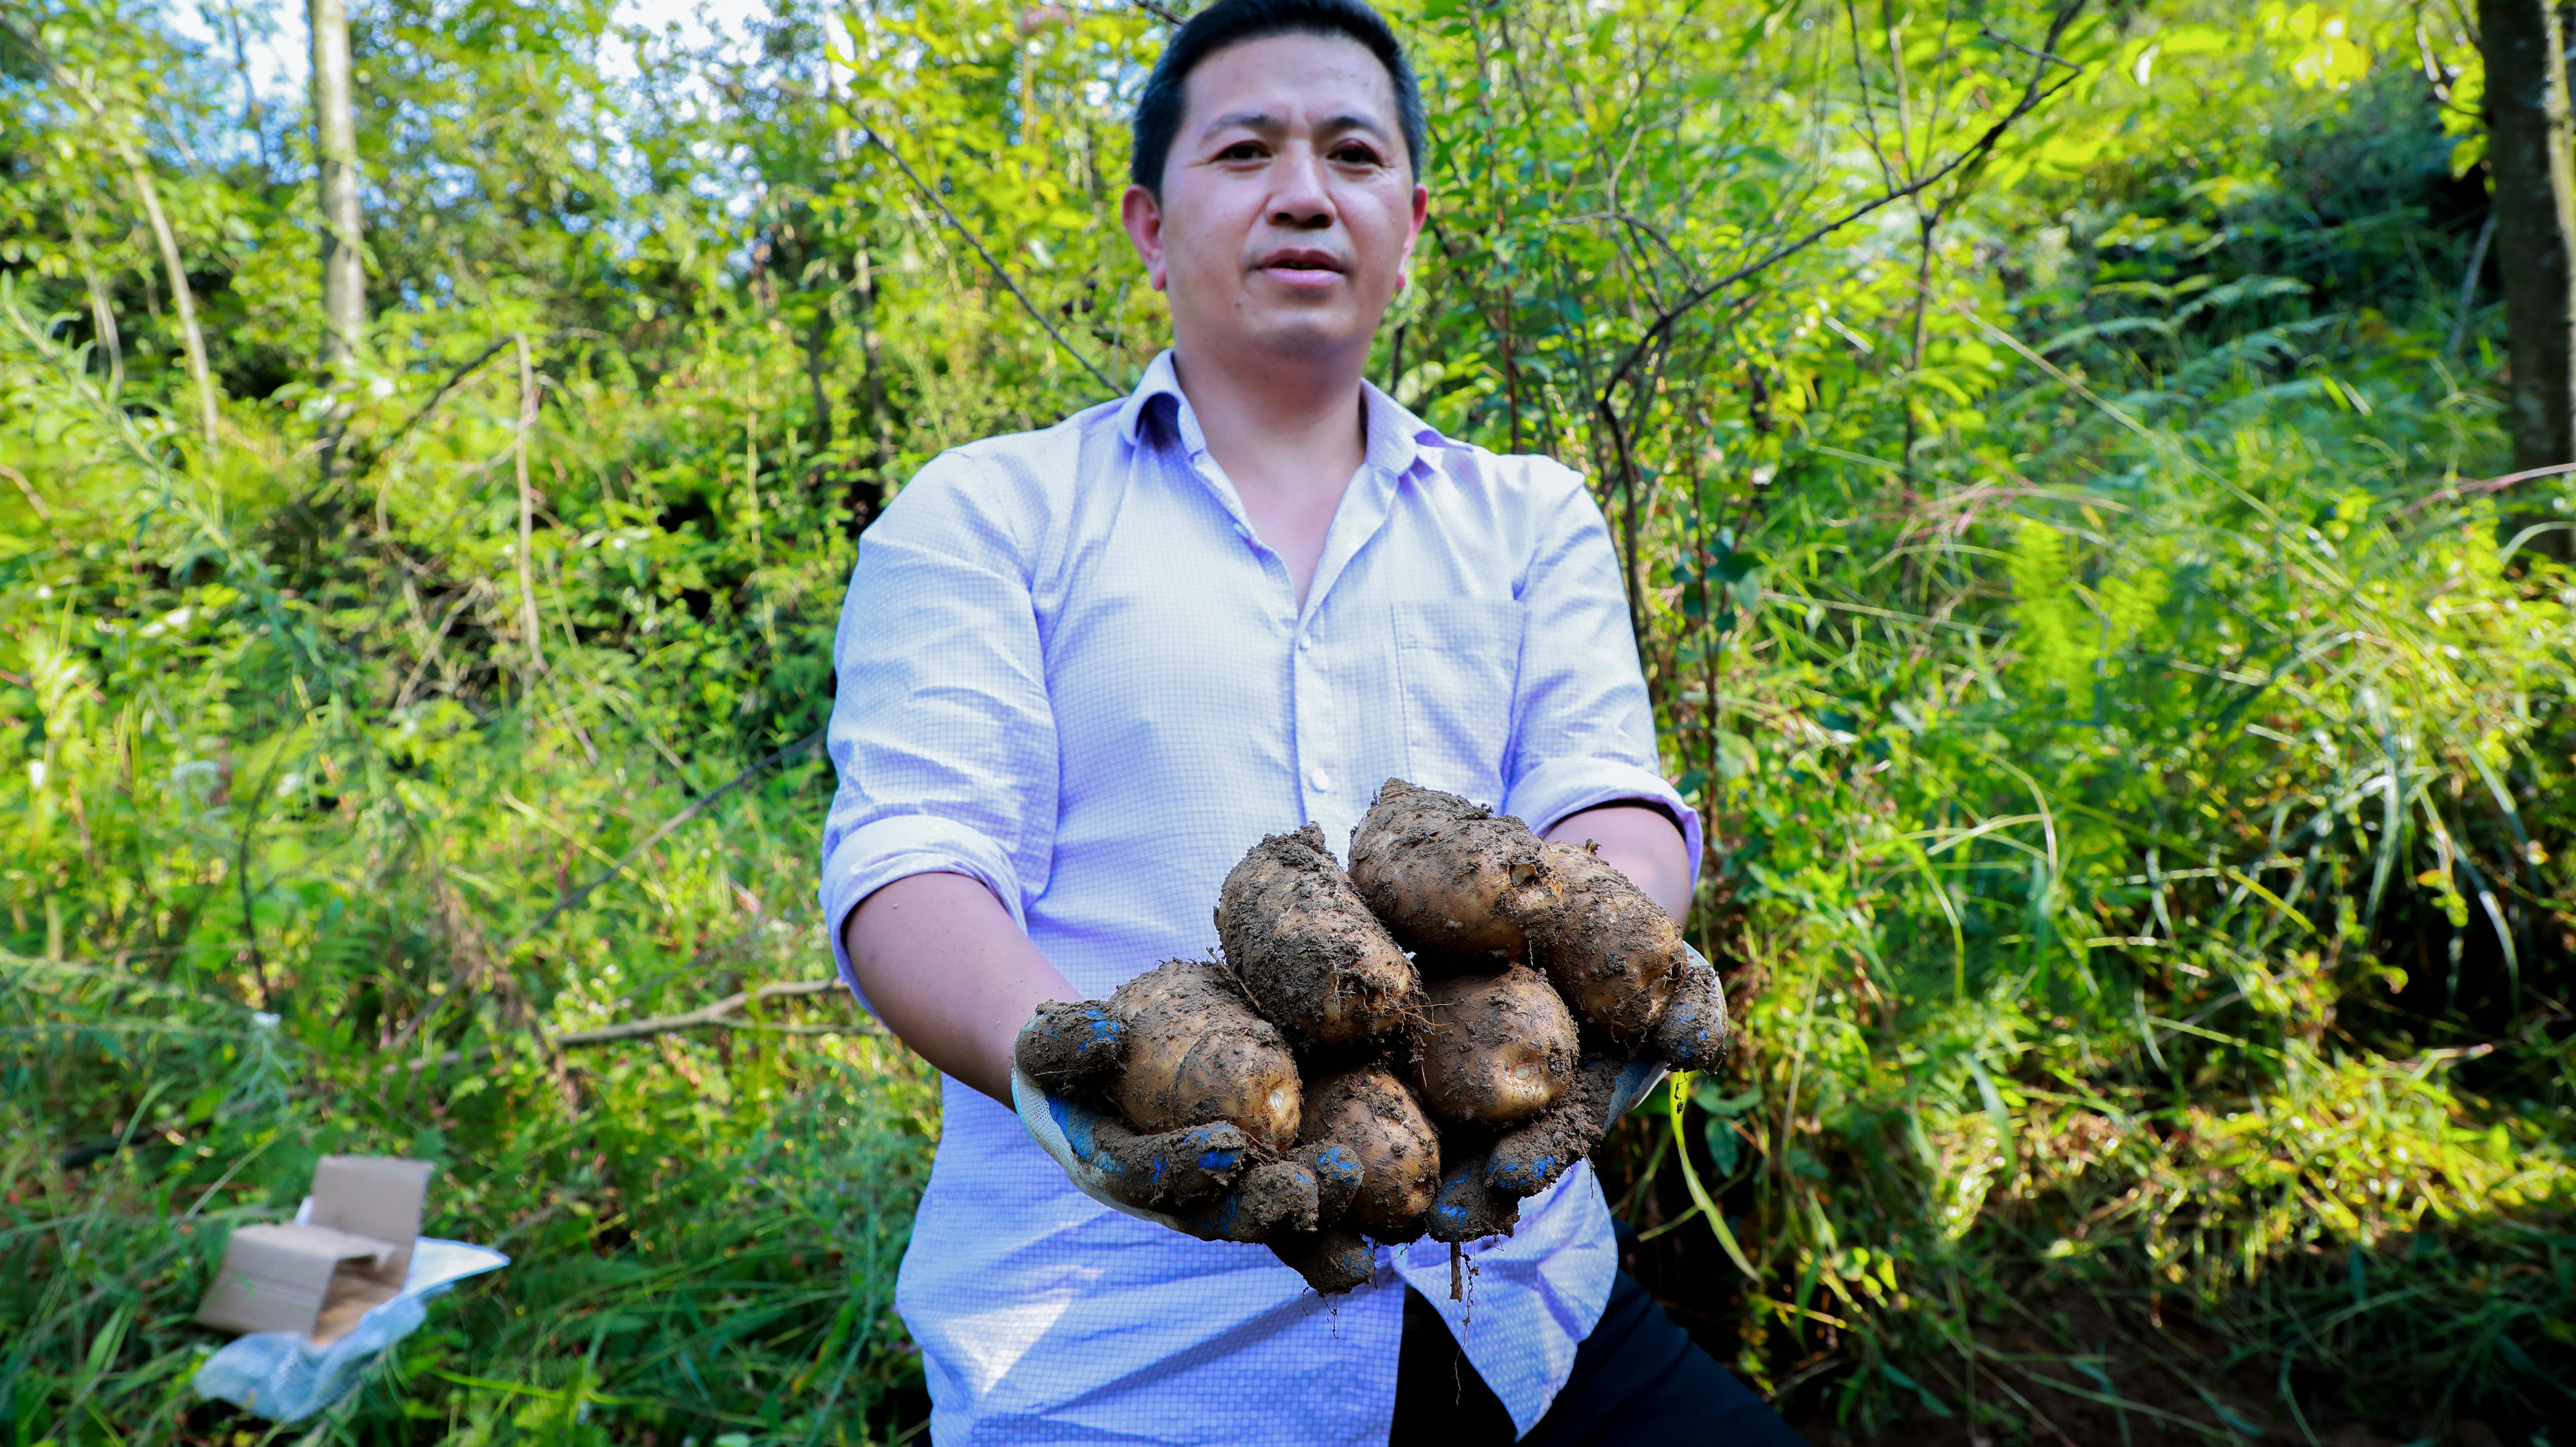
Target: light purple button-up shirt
(1071,670)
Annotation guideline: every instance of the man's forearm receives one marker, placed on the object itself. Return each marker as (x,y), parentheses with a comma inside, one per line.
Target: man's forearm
(954,976)
(1641,842)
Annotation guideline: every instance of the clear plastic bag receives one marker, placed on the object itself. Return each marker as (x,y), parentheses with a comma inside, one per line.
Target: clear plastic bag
(284,1377)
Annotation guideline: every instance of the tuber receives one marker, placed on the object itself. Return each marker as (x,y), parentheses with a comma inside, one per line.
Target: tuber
(1609,950)
(1370,1114)
(1454,882)
(1332,1260)
(1692,1033)
(1494,1048)
(1196,1053)
(1308,951)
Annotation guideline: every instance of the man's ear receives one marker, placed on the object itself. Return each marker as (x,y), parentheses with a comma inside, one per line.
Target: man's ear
(1412,234)
(1143,215)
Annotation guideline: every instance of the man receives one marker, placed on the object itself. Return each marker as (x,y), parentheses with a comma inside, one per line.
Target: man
(1083,670)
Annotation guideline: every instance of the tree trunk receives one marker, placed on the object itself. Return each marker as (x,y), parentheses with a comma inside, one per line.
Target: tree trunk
(2528,144)
(344,277)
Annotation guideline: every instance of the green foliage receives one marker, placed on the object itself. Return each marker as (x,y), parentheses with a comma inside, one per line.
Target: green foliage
(2131,740)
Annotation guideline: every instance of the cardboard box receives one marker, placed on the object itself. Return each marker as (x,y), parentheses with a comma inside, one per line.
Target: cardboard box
(347,1251)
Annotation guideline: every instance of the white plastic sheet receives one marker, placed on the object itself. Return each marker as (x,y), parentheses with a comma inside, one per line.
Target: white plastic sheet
(284,1377)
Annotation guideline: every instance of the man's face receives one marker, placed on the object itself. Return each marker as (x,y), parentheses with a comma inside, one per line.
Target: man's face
(1289,206)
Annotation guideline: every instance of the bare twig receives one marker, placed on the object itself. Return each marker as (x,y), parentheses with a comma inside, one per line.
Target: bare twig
(704,802)
(2035,93)
(2458,490)
(2033,96)
(527,511)
(704,1016)
(999,273)
(29,488)
(2469,286)
(454,380)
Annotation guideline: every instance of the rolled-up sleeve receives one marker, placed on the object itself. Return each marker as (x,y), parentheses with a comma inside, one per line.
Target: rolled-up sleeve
(1583,730)
(942,733)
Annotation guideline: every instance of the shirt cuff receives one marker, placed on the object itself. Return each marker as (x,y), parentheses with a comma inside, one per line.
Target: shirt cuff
(877,854)
(1546,795)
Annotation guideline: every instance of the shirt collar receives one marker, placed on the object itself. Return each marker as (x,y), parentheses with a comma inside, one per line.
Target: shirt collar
(1396,437)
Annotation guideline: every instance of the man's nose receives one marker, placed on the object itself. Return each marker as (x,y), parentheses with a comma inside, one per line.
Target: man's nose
(1301,198)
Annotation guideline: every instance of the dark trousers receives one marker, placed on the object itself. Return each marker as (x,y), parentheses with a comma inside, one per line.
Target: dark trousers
(1639,1381)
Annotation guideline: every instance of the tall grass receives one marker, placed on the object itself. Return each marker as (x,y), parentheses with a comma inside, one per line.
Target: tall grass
(2132,734)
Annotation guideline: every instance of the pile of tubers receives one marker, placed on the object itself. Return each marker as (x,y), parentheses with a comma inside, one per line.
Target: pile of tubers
(1408,1048)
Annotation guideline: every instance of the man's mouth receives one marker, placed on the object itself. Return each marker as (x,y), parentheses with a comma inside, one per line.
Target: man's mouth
(1306,267)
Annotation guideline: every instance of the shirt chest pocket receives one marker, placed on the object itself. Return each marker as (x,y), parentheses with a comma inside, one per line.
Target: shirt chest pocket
(1458,662)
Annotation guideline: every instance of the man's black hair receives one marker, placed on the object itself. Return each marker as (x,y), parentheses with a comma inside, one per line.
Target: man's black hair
(1233,22)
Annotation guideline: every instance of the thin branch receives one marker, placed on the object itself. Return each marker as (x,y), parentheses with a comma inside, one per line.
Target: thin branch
(2469,285)
(698,1019)
(33,500)
(999,273)
(527,512)
(704,802)
(454,380)
(1988,32)
(2033,96)
(2458,490)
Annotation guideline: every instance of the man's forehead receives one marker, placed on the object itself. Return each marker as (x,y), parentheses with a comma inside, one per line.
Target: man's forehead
(1333,80)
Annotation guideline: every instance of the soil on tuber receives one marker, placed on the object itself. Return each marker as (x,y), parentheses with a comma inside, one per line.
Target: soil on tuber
(1369,1113)
(1333,1260)
(1308,951)
(1454,882)
(1692,1033)
(1494,1048)
(1196,1054)
(1528,1158)
(1466,1208)
(1609,950)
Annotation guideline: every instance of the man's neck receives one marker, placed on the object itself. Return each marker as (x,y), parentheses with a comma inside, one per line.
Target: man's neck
(1288,434)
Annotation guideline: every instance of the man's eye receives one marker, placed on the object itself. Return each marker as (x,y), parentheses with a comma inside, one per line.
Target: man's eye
(1241,151)
(1355,156)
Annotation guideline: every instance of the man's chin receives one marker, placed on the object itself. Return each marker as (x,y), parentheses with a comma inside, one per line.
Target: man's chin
(1309,339)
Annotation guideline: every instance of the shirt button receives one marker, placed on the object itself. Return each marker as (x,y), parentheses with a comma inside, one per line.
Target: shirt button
(1306,643)
(1322,781)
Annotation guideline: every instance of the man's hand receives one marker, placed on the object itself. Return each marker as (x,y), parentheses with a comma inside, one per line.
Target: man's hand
(1207,1181)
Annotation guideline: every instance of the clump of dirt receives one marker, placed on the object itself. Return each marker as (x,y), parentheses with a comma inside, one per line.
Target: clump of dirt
(1528,1158)
(1172,1167)
(1276,1197)
(1069,1047)
(1333,1260)
(1467,1209)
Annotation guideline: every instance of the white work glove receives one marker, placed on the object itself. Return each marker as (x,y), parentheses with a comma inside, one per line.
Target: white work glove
(1192,1179)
